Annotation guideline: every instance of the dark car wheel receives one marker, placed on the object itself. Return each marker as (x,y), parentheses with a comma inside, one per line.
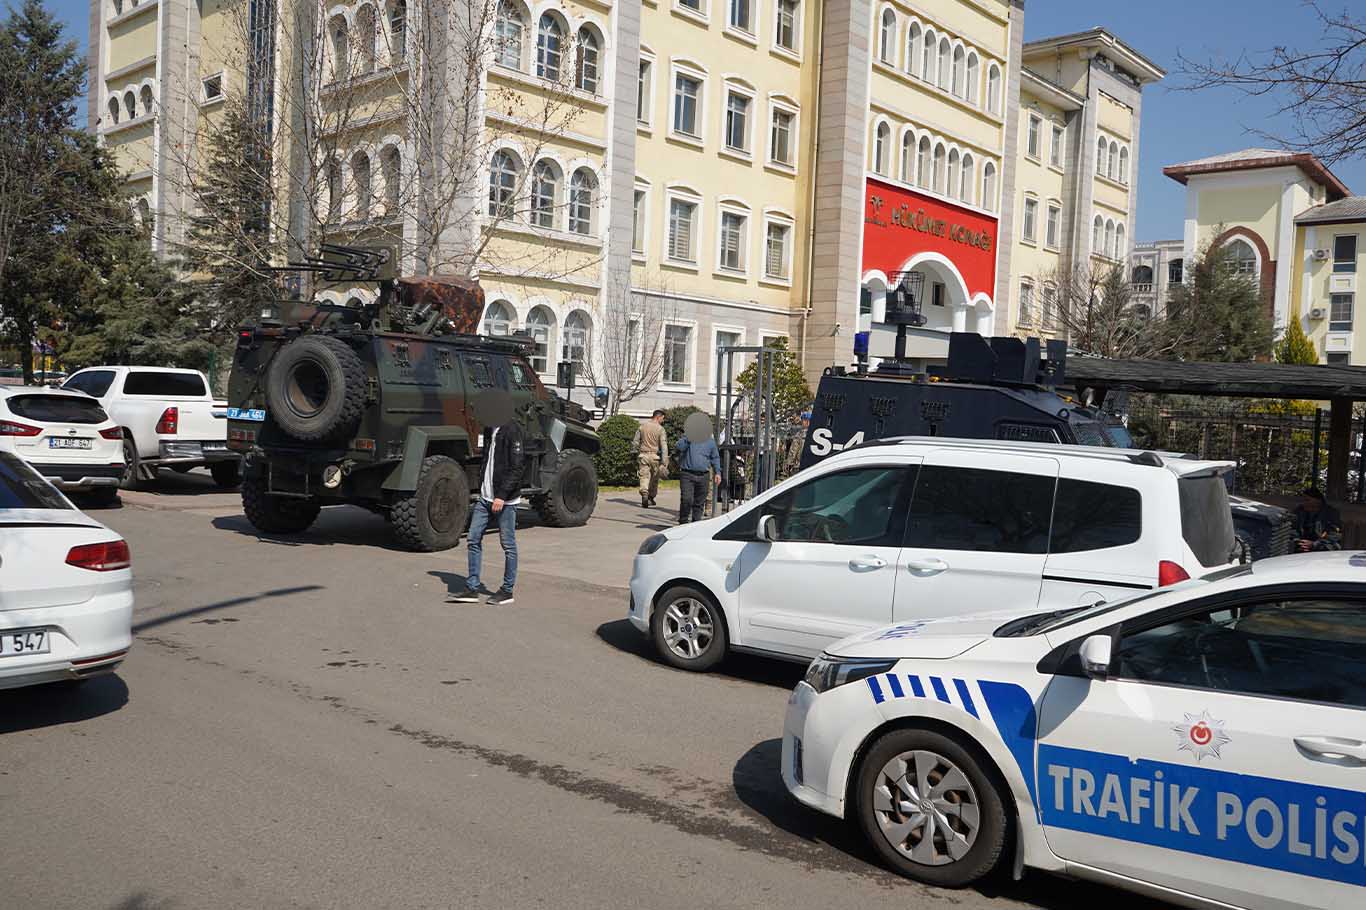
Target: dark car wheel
(132,465)
(688,629)
(433,516)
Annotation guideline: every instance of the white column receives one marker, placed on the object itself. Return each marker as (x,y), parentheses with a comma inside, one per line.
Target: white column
(960,317)
(984,321)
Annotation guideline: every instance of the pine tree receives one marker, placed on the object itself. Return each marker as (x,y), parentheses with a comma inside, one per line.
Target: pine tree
(1221,310)
(1295,346)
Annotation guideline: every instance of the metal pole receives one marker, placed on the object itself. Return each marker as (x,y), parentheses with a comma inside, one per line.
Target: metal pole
(1318,428)
(1361,460)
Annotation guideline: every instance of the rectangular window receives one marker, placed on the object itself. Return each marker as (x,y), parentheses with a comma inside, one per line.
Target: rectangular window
(742,15)
(866,504)
(165,385)
(1055,150)
(781,139)
(1029,223)
(687,90)
(1345,253)
(638,223)
(726,339)
(737,122)
(694,5)
(733,241)
(213,87)
(1026,304)
(1174,269)
(1050,306)
(980,510)
(682,230)
(1032,142)
(1052,226)
(786,35)
(1339,359)
(643,92)
(1094,516)
(775,251)
(1340,313)
(677,354)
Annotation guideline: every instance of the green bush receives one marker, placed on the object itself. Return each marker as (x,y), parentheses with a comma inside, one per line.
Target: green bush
(674,418)
(615,461)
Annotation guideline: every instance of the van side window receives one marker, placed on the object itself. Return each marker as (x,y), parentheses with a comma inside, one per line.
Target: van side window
(981,510)
(1093,516)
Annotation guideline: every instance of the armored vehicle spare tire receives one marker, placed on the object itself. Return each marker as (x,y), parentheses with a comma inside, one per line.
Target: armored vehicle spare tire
(432,517)
(276,514)
(573,493)
(315,389)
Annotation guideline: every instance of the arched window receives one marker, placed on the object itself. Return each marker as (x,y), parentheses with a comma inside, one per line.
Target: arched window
(927,59)
(540,322)
(886,39)
(913,48)
(367,36)
(1242,258)
(398,31)
(334,189)
(130,104)
(880,143)
(341,47)
(391,164)
(146,99)
(922,163)
(940,160)
(960,72)
(1124,164)
(974,77)
(507,35)
(586,61)
(545,191)
(969,179)
(549,47)
(498,319)
(583,187)
(1102,156)
(1114,161)
(1098,236)
(1142,274)
(1109,249)
(955,174)
(989,186)
(994,89)
(908,157)
(503,174)
(1119,241)
(114,109)
(574,344)
(945,64)
(360,176)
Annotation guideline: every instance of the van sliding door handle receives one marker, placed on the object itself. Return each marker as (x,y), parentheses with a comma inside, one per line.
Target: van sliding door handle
(924,568)
(867,562)
(1333,747)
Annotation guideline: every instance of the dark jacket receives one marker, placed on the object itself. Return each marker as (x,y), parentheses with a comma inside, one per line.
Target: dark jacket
(509,462)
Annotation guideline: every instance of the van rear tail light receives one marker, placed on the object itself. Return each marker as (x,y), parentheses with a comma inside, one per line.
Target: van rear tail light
(112,433)
(10,428)
(170,420)
(1169,573)
(100,557)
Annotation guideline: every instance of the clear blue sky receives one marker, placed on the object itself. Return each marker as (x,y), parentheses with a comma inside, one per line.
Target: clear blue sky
(1177,126)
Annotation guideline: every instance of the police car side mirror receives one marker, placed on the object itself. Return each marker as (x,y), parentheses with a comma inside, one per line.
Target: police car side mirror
(1095,656)
(767,529)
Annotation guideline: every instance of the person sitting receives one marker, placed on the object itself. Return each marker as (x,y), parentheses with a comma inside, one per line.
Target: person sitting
(1318,526)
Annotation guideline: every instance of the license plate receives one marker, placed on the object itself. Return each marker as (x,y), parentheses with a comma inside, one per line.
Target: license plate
(62,442)
(256,414)
(23,641)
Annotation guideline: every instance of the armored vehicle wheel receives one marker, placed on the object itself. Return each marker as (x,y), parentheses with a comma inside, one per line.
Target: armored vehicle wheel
(316,388)
(432,517)
(276,514)
(572,494)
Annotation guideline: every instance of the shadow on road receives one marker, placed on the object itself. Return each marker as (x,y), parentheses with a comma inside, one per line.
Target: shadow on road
(221,605)
(195,482)
(142,901)
(62,703)
(336,526)
(620,634)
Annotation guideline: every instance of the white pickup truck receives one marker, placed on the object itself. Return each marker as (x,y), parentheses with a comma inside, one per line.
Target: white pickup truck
(169,420)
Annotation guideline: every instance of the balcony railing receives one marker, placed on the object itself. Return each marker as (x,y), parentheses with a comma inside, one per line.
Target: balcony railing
(1144,287)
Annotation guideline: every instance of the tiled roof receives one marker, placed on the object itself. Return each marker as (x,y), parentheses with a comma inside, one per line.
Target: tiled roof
(1352,208)
(1231,157)
(1253,159)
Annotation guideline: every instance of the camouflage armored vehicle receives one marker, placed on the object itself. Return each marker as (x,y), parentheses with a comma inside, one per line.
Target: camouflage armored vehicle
(374,406)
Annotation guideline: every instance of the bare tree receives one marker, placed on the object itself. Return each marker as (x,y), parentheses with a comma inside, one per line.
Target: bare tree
(1092,305)
(625,352)
(1322,89)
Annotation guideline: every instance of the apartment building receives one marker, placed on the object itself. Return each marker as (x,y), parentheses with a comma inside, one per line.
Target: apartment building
(1154,269)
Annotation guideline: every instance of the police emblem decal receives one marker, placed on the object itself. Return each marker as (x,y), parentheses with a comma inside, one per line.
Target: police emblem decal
(1201,735)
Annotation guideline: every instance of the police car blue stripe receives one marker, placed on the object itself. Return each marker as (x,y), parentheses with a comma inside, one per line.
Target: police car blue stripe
(878,697)
(939,692)
(895,685)
(965,696)
(1012,709)
(916,687)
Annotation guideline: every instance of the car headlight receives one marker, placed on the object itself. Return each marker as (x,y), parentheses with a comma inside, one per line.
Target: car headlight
(827,672)
(651,544)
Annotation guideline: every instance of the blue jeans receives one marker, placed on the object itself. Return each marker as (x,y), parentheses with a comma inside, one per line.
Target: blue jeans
(480,518)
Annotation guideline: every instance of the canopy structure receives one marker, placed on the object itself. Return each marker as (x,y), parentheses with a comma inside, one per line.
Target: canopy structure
(1339,385)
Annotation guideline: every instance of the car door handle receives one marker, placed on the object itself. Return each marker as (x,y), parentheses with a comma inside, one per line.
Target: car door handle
(1333,747)
(924,568)
(867,562)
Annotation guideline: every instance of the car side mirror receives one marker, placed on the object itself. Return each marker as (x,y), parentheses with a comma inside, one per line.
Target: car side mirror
(767,529)
(1095,656)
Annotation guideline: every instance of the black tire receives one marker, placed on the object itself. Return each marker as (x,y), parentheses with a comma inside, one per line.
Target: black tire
(433,516)
(709,623)
(316,389)
(276,514)
(987,842)
(103,498)
(226,473)
(573,494)
(132,465)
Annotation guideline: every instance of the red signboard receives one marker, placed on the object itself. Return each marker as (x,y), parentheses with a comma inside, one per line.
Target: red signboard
(899,224)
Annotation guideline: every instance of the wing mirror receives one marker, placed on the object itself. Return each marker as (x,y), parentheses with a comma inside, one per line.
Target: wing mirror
(767,529)
(1095,656)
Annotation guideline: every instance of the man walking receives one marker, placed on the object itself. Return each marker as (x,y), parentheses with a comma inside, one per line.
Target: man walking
(651,446)
(698,460)
(499,495)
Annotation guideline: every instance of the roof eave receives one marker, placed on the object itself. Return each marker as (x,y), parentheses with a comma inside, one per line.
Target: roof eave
(1147,70)
(1305,161)
(1057,95)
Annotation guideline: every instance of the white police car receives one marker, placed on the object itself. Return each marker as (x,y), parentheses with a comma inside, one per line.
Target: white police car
(1204,743)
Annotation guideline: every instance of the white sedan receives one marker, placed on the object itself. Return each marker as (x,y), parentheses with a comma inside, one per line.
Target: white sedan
(1205,743)
(66,589)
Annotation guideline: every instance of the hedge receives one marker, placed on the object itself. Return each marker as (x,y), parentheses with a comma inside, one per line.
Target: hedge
(615,461)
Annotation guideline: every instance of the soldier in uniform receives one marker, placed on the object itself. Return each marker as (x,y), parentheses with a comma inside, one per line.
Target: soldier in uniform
(651,445)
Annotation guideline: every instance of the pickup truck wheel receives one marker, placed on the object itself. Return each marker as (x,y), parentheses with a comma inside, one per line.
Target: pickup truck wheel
(132,465)
(316,389)
(225,473)
(573,493)
(433,516)
(276,514)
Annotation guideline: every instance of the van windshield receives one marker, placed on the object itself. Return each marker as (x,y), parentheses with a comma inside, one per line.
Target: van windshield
(1206,522)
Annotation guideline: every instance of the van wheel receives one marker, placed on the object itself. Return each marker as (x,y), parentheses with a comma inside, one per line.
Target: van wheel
(132,465)
(928,808)
(688,629)
(433,516)
(276,514)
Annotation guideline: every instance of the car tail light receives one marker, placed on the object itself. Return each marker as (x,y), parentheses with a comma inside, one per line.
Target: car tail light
(1169,573)
(10,428)
(170,420)
(112,433)
(100,557)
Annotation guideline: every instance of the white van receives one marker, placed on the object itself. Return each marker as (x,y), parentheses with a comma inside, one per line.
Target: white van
(920,528)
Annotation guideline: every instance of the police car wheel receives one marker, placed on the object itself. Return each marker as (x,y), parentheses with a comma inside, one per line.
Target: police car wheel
(929,810)
(688,629)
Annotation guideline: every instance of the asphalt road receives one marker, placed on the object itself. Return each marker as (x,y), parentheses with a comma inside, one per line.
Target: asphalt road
(305,723)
